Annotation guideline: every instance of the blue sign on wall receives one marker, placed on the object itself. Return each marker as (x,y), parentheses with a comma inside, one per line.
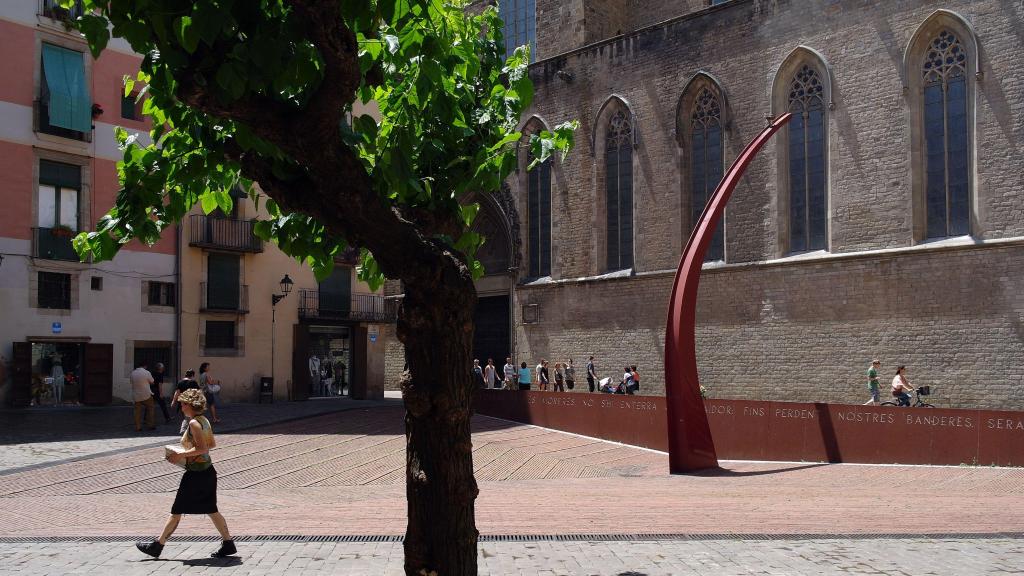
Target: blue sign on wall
(56,328)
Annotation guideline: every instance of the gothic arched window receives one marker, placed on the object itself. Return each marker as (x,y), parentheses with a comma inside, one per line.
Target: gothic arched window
(706,163)
(947,149)
(539,218)
(618,154)
(807,200)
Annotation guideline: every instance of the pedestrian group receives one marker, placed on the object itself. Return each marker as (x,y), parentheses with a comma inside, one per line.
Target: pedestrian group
(558,378)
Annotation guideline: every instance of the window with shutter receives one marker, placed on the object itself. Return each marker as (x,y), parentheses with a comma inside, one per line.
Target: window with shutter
(223,286)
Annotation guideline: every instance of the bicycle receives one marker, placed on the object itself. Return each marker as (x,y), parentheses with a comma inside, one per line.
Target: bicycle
(918,403)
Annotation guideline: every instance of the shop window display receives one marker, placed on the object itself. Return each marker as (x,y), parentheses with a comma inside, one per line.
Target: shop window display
(56,373)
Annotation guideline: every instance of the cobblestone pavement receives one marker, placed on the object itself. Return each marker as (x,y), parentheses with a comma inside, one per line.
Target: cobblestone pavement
(919,557)
(343,474)
(44,435)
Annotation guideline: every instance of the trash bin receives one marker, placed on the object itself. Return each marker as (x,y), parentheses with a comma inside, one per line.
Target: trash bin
(266,389)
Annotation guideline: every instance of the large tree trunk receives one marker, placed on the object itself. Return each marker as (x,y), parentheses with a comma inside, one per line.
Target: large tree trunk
(436,326)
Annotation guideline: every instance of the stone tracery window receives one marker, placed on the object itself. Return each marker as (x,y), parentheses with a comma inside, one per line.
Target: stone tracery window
(947,150)
(520,18)
(706,163)
(807,142)
(619,191)
(539,218)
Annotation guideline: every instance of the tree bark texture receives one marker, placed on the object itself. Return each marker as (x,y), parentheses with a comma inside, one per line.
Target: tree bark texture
(440,488)
(436,318)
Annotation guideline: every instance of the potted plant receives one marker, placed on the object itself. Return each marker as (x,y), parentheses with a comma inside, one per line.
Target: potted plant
(97,110)
(62,231)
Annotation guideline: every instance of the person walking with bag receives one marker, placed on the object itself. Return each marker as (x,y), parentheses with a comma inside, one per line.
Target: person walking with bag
(210,387)
(197,492)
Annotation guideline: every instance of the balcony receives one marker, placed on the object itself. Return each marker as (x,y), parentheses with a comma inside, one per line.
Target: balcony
(223,234)
(53,244)
(52,9)
(224,298)
(357,308)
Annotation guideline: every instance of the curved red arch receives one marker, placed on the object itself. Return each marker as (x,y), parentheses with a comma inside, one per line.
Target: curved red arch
(690,446)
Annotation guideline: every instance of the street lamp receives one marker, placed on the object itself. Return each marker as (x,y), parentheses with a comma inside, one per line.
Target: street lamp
(286,288)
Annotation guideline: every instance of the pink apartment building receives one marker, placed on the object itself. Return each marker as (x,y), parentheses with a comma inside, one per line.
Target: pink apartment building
(70,332)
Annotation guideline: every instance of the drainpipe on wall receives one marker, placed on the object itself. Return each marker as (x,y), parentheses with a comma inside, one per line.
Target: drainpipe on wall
(512,274)
(177,301)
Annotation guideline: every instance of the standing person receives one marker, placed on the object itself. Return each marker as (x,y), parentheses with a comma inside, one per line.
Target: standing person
(143,397)
(626,386)
(524,377)
(158,393)
(314,373)
(570,375)
(510,374)
(873,381)
(900,385)
(636,378)
(186,383)
(490,374)
(591,374)
(478,374)
(197,492)
(542,383)
(210,387)
(559,377)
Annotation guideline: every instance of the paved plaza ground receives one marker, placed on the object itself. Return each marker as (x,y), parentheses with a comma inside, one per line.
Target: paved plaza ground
(337,479)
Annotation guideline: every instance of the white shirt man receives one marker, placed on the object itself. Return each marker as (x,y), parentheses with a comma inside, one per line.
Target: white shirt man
(510,373)
(142,394)
(141,379)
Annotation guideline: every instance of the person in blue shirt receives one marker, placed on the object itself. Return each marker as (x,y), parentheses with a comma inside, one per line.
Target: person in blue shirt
(524,377)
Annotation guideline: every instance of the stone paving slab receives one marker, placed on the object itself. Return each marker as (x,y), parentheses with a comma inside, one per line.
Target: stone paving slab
(921,556)
(37,436)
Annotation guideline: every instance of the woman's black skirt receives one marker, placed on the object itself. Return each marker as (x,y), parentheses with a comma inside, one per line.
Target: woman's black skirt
(197,493)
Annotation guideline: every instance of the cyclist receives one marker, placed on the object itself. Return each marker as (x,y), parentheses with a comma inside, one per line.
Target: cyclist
(900,385)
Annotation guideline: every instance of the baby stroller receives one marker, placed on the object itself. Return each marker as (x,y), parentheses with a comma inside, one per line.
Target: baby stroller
(609,387)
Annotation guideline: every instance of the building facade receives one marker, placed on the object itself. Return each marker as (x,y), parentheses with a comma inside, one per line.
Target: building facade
(71,332)
(58,109)
(314,339)
(885,221)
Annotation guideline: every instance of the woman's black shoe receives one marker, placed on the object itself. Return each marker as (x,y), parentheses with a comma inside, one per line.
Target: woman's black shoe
(153,548)
(227,548)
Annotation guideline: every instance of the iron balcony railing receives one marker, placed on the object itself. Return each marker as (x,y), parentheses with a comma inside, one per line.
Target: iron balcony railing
(224,298)
(53,9)
(223,234)
(359,307)
(54,244)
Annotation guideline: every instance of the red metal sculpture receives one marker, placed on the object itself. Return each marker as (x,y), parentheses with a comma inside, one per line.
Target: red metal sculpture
(690,446)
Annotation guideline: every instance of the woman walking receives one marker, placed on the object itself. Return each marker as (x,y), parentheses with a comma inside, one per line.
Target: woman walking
(197,493)
(210,387)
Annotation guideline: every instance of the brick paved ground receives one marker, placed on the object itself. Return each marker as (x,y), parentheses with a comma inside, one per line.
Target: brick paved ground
(922,556)
(44,435)
(342,473)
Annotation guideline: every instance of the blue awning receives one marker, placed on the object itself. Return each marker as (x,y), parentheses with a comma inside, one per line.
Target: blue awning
(68,99)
